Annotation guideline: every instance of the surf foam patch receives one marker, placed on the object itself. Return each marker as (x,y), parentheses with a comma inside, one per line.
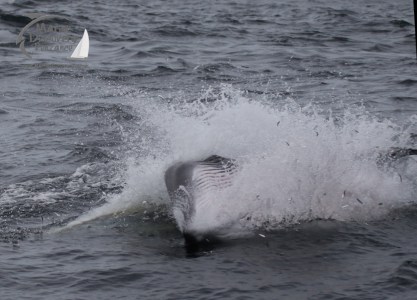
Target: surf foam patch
(296,163)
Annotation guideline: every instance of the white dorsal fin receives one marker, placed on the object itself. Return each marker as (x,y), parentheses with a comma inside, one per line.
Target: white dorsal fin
(81,51)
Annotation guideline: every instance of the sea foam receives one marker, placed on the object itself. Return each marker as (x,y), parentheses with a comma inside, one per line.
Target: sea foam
(297,163)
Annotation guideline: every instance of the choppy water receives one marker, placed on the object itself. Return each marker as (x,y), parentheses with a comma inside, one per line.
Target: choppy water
(304,95)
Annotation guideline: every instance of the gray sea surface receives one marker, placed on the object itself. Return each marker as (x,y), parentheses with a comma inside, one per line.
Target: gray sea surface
(307,95)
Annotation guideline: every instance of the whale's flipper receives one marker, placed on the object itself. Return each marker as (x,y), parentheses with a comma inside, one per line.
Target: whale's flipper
(191,185)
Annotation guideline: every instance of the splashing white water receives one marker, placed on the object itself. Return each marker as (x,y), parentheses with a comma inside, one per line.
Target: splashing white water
(296,163)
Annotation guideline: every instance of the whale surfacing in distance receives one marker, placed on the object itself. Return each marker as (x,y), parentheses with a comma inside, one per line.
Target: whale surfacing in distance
(190,184)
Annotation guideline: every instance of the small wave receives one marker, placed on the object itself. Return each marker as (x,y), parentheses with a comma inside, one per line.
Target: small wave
(163,70)
(403,278)
(13,19)
(408,82)
(404,99)
(379,48)
(174,31)
(110,111)
(400,23)
(88,154)
(214,67)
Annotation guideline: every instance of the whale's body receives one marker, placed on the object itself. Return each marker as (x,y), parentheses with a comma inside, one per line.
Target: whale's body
(191,185)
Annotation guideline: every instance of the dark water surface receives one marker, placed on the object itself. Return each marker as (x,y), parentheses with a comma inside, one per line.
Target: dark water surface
(303,93)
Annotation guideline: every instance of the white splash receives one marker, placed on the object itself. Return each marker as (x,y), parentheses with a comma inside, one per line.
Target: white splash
(297,163)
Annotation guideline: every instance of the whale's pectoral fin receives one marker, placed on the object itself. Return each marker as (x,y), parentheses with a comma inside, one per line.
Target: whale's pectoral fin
(183,206)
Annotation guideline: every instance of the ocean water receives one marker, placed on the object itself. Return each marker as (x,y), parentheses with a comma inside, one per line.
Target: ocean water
(308,97)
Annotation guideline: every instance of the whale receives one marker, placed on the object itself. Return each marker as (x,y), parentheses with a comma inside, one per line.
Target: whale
(190,184)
